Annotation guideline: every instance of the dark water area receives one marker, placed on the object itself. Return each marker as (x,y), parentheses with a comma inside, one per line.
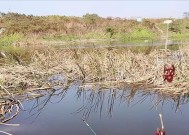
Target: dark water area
(108,112)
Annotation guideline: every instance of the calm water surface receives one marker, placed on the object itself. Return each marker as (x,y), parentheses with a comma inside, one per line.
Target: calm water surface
(109,112)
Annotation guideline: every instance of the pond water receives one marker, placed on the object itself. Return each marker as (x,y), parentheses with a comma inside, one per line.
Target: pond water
(108,112)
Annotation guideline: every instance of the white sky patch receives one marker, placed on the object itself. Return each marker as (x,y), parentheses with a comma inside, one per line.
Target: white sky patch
(149,9)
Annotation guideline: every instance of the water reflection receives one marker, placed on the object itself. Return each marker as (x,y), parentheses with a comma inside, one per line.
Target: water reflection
(108,111)
(39,103)
(94,101)
(99,101)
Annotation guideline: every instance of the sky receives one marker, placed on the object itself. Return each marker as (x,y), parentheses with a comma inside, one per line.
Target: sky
(118,8)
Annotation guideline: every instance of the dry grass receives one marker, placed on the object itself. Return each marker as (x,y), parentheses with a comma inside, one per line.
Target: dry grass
(105,67)
(118,67)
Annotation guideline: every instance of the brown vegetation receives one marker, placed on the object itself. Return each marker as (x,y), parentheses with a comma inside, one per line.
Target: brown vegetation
(21,23)
(103,67)
(26,66)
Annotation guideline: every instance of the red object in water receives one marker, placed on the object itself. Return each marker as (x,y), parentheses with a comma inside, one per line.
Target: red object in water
(160,132)
(169,72)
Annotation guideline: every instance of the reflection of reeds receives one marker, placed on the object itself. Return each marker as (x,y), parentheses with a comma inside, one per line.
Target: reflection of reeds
(94,101)
(99,101)
(41,102)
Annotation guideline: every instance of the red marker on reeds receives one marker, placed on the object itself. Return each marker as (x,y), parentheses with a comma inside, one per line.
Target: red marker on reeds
(162,130)
(169,72)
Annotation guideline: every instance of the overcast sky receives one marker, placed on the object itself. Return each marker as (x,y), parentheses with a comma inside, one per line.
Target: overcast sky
(119,8)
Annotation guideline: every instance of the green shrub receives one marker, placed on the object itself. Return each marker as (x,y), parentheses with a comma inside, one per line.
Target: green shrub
(91,18)
(179,26)
(110,30)
(180,36)
(138,35)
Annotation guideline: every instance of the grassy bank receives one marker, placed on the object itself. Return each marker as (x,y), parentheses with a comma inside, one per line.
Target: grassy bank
(91,26)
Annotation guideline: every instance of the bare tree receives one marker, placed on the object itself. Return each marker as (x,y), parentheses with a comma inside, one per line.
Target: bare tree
(186,15)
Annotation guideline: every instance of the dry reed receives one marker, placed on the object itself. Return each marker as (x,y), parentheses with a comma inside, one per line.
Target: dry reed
(105,67)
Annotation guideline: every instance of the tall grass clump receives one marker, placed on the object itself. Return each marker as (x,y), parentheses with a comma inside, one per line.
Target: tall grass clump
(16,54)
(12,53)
(10,39)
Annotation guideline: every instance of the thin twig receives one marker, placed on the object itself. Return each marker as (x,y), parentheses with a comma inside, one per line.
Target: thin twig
(16,113)
(88,126)
(5,133)
(9,124)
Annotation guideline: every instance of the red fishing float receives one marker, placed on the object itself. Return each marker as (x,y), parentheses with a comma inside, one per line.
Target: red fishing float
(169,72)
(159,132)
(162,130)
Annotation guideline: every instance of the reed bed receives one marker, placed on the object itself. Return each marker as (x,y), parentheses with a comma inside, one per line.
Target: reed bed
(100,68)
(120,67)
